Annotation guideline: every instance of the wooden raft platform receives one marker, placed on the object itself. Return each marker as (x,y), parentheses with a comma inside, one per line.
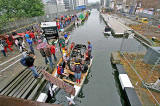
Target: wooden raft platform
(24,85)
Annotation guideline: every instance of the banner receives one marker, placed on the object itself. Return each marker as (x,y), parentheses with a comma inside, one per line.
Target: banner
(60,83)
(50,32)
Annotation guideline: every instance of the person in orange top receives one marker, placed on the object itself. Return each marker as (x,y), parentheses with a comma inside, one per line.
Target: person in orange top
(72,45)
(9,43)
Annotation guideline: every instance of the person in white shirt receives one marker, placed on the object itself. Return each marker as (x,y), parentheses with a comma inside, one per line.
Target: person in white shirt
(2,50)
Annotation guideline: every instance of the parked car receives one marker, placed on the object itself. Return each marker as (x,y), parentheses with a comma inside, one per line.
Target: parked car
(143,20)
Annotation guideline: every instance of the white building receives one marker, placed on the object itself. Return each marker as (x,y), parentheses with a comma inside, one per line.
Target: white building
(72,4)
(105,3)
(112,4)
(81,2)
(53,6)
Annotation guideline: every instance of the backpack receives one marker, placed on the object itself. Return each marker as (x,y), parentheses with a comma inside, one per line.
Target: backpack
(60,70)
(23,61)
(4,43)
(77,68)
(42,52)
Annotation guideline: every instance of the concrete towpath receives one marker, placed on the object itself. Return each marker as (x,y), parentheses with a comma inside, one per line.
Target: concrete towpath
(117,27)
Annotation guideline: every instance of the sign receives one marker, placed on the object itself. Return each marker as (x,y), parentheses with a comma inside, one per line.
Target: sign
(80,7)
(50,30)
(60,83)
(60,2)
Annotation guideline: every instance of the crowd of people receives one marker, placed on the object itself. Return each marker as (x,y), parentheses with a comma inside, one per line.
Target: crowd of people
(33,38)
(79,65)
(64,21)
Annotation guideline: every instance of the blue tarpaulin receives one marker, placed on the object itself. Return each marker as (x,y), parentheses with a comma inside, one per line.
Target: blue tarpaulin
(80,7)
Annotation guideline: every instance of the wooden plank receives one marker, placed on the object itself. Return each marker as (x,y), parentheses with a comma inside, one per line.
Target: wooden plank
(31,87)
(69,72)
(37,88)
(14,83)
(22,85)
(25,88)
(71,82)
(19,85)
(11,80)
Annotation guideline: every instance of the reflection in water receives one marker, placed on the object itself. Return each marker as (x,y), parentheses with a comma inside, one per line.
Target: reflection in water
(100,19)
(106,35)
(118,85)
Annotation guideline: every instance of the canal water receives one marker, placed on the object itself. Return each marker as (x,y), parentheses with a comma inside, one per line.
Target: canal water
(101,88)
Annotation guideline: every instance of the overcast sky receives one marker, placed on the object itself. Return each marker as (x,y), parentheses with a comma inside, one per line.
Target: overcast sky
(92,1)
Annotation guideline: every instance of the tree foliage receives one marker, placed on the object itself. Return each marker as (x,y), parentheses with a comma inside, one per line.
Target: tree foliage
(11,10)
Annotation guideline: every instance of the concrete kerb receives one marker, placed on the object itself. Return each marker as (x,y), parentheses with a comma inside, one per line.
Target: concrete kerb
(127,87)
(136,33)
(108,24)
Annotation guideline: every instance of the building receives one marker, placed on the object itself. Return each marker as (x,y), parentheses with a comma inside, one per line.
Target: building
(67,4)
(105,3)
(72,4)
(112,4)
(80,4)
(53,6)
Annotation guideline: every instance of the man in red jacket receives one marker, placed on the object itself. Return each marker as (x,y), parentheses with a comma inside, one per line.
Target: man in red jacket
(33,37)
(9,43)
(53,51)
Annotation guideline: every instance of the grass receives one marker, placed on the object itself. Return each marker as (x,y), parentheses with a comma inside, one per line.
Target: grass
(143,70)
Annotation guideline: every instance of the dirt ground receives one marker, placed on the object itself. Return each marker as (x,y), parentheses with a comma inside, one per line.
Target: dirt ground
(148,31)
(144,71)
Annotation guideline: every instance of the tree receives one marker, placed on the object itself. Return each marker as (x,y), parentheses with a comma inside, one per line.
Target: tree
(11,10)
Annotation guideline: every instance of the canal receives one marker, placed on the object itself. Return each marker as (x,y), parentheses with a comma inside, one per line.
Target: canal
(101,88)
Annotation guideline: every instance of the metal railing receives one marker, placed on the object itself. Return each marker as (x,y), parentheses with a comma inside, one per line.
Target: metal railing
(24,22)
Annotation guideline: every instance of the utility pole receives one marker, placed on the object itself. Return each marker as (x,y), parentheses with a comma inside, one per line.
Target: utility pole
(57,8)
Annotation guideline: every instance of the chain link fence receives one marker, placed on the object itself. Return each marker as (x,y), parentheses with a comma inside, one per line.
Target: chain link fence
(25,22)
(133,52)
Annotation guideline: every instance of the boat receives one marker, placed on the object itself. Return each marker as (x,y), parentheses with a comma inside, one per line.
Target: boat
(107,30)
(78,52)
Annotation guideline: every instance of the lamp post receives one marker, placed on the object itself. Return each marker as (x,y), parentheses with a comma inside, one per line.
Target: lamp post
(57,8)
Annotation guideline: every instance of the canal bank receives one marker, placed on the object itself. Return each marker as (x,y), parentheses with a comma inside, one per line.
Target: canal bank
(119,28)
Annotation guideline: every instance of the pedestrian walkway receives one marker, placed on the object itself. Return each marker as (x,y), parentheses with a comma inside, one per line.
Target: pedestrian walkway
(24,85)
(117,27)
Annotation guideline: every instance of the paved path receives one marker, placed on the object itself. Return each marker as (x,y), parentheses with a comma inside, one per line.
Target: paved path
(10,65)
(117,27)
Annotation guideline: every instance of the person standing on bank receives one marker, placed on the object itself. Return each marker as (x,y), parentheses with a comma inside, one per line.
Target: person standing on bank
(29,40)
(53,51)
(2,49)
(44,55)
(48,54)
(30,63)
